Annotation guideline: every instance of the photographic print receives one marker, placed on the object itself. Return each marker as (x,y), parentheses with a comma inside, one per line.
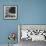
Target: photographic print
(33,32)
(10,12)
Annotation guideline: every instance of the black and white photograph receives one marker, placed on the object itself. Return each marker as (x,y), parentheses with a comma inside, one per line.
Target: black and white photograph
(31,35)
(10,12)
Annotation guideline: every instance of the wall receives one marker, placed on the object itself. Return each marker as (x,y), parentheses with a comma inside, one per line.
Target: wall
(33,12)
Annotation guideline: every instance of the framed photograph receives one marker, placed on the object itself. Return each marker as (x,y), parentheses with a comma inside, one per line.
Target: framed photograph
(10,12)
(31,32)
